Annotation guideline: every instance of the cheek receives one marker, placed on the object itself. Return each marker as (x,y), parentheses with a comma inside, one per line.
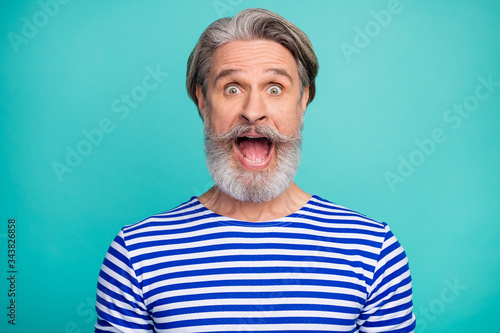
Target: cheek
(291,127)
(221,115)
(221,122)
(288,120)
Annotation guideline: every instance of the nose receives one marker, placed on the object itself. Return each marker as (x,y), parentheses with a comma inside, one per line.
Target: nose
(254,110)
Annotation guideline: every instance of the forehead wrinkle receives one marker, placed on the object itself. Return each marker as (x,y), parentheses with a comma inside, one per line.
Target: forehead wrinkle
(243,57)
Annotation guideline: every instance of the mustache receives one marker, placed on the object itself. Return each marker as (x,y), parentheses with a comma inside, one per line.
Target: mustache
(266,131)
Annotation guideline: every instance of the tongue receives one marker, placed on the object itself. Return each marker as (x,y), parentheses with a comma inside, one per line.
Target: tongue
(254,149)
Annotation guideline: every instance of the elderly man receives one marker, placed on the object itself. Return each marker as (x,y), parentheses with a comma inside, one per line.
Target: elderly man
(255,253)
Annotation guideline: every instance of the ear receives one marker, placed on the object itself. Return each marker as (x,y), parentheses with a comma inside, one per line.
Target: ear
(304,99)
(201,101)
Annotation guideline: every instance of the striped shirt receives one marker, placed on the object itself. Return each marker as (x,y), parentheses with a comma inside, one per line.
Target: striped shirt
(324,268)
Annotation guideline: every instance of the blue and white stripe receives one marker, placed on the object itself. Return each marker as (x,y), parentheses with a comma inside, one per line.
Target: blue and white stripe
(324,268)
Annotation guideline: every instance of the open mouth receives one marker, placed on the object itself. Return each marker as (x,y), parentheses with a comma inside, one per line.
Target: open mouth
(254,150)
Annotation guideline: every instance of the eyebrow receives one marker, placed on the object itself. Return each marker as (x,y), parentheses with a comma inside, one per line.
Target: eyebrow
(224,73)
(275,71)
(278,71)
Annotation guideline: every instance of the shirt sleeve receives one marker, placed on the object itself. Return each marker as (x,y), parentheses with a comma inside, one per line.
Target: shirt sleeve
(389,304)
(120,306)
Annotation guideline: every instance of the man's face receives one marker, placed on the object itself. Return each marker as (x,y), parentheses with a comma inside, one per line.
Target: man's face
(254,101)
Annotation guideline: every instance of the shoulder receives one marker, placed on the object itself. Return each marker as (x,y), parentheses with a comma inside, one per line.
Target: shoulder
(326,211)
(340,225)
(177,216)
(358,230)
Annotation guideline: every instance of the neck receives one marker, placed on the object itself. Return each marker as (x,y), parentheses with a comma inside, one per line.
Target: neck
(291,200)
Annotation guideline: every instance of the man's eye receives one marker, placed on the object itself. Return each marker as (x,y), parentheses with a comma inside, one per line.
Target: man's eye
(274,90)
(232,90)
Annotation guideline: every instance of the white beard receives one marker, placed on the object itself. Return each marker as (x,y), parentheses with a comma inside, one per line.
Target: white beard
(246,185)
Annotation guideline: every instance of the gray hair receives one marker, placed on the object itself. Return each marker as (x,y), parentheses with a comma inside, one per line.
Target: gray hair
(251,24)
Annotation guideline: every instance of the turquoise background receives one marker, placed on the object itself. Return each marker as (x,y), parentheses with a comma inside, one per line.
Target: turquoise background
(370,108)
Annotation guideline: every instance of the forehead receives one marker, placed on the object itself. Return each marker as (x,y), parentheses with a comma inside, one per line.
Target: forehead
(253,56)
